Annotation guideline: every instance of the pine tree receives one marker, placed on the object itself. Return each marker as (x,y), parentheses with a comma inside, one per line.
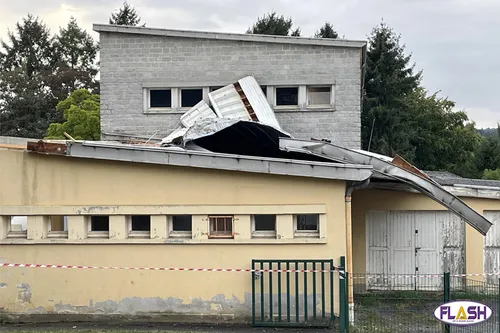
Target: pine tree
(126,15)
(326,31)
(273,24)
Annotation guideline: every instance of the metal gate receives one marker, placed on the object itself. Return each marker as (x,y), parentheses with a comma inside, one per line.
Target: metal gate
(293,293)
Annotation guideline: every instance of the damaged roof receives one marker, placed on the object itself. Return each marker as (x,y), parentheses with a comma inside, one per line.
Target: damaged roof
(228,36)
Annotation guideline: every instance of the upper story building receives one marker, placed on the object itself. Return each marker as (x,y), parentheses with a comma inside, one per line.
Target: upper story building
(150,77)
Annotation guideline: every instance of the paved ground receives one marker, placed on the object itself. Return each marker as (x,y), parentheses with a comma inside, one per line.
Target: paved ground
(153,327)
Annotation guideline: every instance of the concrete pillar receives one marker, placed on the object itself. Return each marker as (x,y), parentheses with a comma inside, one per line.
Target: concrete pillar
(322,226)
(118,227)
(242,227)
(200,227)
(78,227)
(159,227)
(285,228)
(38,227)
(4,226)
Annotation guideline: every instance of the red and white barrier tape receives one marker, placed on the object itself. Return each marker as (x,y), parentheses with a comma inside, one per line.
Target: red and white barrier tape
(170,268)
(417,276)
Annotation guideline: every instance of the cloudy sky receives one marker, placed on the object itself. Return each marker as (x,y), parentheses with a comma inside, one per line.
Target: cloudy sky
(455,42)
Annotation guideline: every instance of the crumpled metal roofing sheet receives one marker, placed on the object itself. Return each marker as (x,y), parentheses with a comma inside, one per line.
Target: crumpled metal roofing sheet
(428,187)
(227,103)
(197,112)
(255,96)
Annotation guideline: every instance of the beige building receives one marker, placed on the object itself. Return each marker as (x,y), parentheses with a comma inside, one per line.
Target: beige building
(134,206)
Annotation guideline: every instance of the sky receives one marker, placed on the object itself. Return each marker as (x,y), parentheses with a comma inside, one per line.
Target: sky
(454,42)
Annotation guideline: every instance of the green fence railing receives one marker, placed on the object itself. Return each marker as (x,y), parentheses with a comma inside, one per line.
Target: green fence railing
(406,303)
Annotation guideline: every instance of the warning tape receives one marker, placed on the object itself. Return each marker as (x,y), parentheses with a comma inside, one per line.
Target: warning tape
(172,268)
(417,276)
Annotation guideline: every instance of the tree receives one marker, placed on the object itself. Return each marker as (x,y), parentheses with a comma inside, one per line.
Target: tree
(81,115)
(126,15)
(389,80)
(27,102)
(273,24)
(326,31)
(76,62)
(492,174)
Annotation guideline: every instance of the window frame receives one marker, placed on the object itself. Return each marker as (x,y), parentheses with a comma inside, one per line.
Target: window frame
(96,234)
(275,97)
(320,106)
(58,233)
(138,233)
(306,233)
(220,236)
(179,233)
(179,98)
(263,233)
(15,233)
(159,108)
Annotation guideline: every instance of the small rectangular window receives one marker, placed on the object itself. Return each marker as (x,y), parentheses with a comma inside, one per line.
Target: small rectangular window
(99,223)
(221,227)
(307,225)
(191,97)
(308,222)
(319,96)
(264,90)
(160,98)
(141,222)
(286,96)
(58,226)
(18,227)
(264,226)
(181,226)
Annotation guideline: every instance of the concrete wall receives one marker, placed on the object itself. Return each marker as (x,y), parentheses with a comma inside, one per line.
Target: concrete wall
(385,200)
(131,63)
(39,186)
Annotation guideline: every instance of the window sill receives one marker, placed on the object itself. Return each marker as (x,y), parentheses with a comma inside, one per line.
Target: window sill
(98,234)
(180,235)
(139,234)
(58,234)
(306,234)
(308,109)
(169,241)
(163,111)
(17,234)
(264,234)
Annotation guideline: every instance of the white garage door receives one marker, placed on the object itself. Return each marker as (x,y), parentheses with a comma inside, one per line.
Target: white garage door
(491,257)
(411,243)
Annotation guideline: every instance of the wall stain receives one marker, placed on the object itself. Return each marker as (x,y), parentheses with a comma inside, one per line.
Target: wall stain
(24,293)
(3,285)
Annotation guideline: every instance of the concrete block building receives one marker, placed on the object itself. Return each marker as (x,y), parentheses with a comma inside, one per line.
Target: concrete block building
(150,77)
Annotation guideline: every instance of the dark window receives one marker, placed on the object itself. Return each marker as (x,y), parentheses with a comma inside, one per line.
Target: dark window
(141,223)
(221,226)
(182,222)
(160,98)
(99,223)
(191,97)
(287,96)
(308,222)
(265,222)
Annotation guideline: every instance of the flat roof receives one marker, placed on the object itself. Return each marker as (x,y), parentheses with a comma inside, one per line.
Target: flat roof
(177,156)
(241,37)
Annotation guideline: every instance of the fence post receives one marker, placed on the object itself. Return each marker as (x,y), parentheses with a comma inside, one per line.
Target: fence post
(498,306)
(346,305)
(342,297)
(446,296)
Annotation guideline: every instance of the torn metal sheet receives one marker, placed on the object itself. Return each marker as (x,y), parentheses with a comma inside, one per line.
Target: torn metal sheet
(197,112)
(258,101)
(228,103)
(175,137)
(427,187)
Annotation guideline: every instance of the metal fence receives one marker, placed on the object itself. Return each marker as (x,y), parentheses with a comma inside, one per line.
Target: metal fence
(406,303)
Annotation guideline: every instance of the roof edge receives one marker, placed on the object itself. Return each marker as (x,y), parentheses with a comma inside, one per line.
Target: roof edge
(208,160)
(229,36)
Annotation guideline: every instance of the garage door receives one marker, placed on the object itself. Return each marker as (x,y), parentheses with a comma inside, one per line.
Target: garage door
(412,243)
(491,258)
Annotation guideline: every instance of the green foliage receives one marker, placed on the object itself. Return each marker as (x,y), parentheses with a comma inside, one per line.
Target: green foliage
(37,70)
(491,174)
(274,24)
(81,112)
(126,15)
(326,31)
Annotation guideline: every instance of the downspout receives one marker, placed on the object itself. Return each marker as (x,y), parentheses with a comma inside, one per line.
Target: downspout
(351,187)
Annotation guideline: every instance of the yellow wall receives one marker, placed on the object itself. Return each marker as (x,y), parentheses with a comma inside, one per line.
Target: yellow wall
(366,200)
(36,185)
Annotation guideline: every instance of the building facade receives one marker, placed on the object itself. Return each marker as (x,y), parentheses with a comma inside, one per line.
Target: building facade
(150,77)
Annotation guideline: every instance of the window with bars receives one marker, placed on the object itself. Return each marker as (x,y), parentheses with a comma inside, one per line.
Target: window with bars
(307,225)
(221,227)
